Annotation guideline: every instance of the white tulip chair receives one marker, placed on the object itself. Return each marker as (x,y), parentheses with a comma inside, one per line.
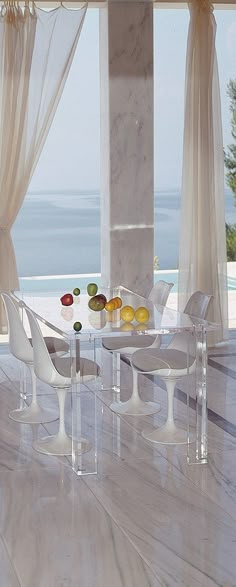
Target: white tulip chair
(170,364)
(128,345)
(21,348)
(57,373)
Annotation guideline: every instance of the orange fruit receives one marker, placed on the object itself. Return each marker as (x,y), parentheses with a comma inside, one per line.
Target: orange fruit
(113,304)
(127,313)
(118,302)
(142,314)
(110,306)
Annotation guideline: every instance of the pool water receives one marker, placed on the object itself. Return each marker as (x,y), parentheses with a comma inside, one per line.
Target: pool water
(231,283)
(69,282)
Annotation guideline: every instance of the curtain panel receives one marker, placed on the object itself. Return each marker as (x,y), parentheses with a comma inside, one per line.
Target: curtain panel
(36,52)
(202,252)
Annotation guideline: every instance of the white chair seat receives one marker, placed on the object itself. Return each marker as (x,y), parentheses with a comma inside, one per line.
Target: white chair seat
(127,344)
(166,362)
(88,369)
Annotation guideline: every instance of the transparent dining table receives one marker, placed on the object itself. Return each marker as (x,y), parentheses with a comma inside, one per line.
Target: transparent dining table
(59,320)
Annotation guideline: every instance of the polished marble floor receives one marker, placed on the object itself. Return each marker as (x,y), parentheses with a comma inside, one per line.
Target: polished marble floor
(147,519)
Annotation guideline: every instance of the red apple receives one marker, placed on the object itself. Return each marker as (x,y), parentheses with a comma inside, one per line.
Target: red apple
(67,299)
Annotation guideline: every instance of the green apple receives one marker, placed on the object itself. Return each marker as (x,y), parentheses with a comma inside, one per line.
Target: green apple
(76,291)
(77,326)
(92,289)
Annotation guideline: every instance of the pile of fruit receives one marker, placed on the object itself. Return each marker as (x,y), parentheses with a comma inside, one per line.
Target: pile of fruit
(99,302)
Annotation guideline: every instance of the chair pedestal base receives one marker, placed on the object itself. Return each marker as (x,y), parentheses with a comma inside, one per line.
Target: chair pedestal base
(135,407)
(59,445)
(168,434)
(33,414)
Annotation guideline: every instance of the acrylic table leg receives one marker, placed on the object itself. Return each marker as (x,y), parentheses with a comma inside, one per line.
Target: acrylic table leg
(201,450)
(75,387)
(101,357)
(116,435)
(110,371)
(79,444)
(23,368)
(116,372)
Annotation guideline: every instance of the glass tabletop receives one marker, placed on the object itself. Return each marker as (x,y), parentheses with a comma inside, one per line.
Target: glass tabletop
(48,306)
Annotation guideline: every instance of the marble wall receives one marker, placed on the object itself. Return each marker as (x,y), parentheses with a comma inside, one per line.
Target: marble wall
(127,176)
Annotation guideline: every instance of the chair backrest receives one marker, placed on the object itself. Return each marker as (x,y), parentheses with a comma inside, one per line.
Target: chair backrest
(159,293)
(19,343)
(198,306)
(43,365)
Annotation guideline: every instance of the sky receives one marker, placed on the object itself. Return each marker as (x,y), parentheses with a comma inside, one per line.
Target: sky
(71,155)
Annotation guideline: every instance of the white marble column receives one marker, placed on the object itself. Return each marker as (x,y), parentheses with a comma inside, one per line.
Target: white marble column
(127,215)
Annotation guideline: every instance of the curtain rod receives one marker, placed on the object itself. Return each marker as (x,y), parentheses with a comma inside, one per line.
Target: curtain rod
(223,4)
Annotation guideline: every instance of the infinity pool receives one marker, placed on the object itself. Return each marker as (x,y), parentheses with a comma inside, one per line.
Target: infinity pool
(69,282)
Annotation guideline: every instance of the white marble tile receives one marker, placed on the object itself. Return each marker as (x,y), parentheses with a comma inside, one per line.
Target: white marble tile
(218,439)
(118,441)
(8,576)
(217,479)
(57,534)
(224,347)
(183,535)
(16,452)
(227,361)
(10,370)
(221,391)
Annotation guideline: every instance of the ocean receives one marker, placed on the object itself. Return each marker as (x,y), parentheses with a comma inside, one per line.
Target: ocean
(58,233)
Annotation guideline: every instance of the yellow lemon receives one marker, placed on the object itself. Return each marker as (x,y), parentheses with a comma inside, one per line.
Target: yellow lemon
(127,313)
(142,314)
(126,327)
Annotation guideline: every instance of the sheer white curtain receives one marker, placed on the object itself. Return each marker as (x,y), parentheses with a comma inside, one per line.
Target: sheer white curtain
(36,52)
(202,254)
